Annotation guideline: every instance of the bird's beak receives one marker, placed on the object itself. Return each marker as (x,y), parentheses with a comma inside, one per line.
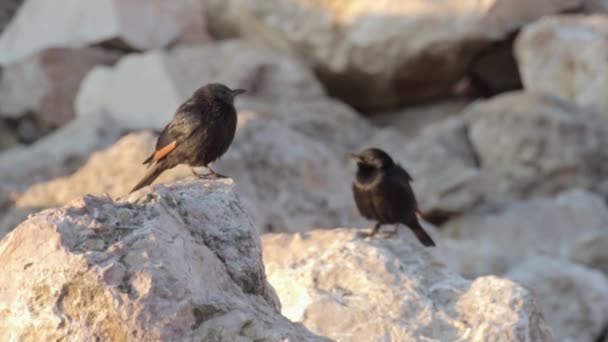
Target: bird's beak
(353,156)
(236,92)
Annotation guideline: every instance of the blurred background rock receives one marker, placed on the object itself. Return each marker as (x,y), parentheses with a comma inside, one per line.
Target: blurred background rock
(497,108)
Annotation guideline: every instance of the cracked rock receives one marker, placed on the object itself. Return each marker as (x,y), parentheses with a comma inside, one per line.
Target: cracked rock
(168,263)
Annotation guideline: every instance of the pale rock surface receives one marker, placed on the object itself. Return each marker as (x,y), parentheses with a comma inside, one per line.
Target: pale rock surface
(591,250)
(137,24)
(47,82)
(58,153)
(573,298)
(354,289)
(565,56)
(179,262)
(529,144)
(342,39)
(113,171)
(144,90)
(548,226)
(289,181)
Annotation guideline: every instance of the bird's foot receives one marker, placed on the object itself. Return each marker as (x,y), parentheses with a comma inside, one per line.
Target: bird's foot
(389,233)
(215,174)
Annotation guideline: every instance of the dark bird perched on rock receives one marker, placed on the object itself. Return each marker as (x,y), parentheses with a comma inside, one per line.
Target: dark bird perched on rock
(382,193)
(201,131)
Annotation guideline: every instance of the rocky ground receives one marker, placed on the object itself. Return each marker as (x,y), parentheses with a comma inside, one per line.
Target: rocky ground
(496,108)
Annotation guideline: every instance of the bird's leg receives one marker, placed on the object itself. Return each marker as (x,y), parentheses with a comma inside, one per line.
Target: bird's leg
(376,229)
(389,234)
(194,172)
(215,174)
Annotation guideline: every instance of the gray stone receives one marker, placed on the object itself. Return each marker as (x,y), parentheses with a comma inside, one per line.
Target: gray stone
(574,298)
(353,289)
(377,54)
(565,56)
(136,24)
(179,262)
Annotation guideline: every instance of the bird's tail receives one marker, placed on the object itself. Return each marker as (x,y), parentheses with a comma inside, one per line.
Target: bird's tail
(421,234)
(150,176)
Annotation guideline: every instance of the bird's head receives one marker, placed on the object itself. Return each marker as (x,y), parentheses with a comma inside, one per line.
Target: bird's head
(373,158)
(223,93)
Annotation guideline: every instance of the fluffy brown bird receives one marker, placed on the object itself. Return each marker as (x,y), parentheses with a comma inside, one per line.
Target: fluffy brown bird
(201,131)
(382,193)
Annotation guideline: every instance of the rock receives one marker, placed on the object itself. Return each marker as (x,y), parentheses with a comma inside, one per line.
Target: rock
(136,24)
(524,229)
(8,138)
(564,56)
(144,90)
(574,298)
(179,262)
(7,10)
(446,178)
(47,82)
(57,154)
(304,180)
(348,288)
(592,251)
(529,144)
(342,39)
(596,6)
(410,121)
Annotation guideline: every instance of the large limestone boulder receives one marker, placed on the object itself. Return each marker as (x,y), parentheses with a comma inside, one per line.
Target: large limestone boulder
(144,90)
(377,54)
(530,144)
(47,82)
(353,289)
(179,262)
(574,298)
(565,56)
(134,24)
(550,226)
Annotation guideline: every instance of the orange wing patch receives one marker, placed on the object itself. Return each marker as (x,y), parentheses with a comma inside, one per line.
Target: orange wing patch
(164,151)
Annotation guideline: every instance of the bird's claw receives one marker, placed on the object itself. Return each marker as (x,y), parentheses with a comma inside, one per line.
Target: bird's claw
(389,234)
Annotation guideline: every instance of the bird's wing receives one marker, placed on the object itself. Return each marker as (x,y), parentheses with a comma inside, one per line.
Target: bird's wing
(185,123)
(395,196)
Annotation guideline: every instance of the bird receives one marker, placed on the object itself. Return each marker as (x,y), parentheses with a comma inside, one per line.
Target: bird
(382,192)
(200,132)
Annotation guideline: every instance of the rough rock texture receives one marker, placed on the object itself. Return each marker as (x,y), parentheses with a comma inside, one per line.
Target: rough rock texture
(341,39)
(565,56)
(541,226)
(137,24)
(143,90)
(574,298)
(47,82)
(354,289)
(181,262)
(530,144)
